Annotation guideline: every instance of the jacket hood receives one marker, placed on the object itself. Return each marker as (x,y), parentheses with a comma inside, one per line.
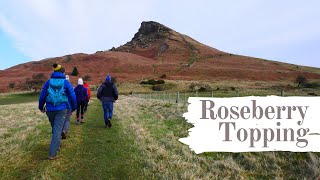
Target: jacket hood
(58,75)
(108,83)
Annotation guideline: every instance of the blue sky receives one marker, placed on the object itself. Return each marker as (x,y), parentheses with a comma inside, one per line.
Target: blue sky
(286,30)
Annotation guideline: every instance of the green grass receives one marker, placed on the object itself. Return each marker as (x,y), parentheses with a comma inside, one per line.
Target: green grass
(103,152)
(223,88)
(142,144)
(172,96)
(166,126)
(91,151)
(18,98)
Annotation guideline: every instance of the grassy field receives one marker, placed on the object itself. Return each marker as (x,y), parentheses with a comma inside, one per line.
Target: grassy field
(224,88)
(15,98)
(142,144)
(90,152)
(182,98)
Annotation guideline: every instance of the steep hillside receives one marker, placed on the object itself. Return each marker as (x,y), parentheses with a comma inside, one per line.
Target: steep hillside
(157,50)
(182,57)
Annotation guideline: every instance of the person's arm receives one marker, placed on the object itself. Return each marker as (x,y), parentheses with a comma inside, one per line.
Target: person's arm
(43,96)
(86,96)
(99,91)
(115,91)
(89,92)
(71,95)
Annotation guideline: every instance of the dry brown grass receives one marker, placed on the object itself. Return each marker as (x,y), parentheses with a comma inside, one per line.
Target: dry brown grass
(224,88)
(17,123)
(154,128)
(166,158)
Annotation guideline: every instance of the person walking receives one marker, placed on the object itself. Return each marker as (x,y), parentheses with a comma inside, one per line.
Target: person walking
(107,94)
(86,85)
(57,95)
(67,121)
(82,97)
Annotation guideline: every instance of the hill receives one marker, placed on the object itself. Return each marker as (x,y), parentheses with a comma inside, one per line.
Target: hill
(155,51)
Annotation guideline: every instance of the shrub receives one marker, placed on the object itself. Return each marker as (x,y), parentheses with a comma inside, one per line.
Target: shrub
(202,89)
(163,76)
(199,87)
(163,87)
(311,85)
(157,88)
(36,82)
(312,94)
(233,88)
(12,85)
(301,80)
(75,72)
(152,82)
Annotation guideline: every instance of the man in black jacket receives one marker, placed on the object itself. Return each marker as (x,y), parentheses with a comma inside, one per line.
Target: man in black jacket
(107,94)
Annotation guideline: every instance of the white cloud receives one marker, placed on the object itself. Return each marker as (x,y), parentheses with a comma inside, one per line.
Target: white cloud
(55,28)
(47,10)
(8,27)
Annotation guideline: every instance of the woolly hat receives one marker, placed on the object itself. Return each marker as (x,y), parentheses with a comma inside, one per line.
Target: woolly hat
(80,81)
(67,77)
(108,78)
(58,68)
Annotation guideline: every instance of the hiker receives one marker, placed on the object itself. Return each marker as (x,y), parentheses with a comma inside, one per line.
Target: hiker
(57,95)
(107,94)
(86,85)
(67,121)
(82,97)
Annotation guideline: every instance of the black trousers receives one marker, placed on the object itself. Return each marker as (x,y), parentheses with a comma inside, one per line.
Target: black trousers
(80,109)
(85,106)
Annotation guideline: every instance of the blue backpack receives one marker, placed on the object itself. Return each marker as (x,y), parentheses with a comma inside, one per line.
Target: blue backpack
(56,94)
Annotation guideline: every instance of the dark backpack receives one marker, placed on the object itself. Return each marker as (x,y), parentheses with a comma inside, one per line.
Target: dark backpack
(107,91)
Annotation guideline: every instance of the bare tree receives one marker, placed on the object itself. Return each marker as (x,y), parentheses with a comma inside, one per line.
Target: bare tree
(36,82)
(301,80)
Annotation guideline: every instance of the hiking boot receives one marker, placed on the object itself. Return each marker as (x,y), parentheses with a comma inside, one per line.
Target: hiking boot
(52,157)
(64,135)
(60,146)
(106,123)
(109,124)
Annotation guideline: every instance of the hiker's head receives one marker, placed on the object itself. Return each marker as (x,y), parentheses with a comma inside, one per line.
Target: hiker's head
(108,78)
(80,81)
(58,68)
(67,77)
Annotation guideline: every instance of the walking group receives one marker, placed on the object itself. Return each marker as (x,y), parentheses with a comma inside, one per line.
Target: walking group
(58,99)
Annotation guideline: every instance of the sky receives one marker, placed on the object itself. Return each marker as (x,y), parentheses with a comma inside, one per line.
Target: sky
(286,30)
